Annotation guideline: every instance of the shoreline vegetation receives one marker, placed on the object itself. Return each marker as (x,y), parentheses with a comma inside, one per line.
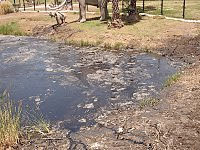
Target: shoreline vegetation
(150,34)
(11,120)
(10,116)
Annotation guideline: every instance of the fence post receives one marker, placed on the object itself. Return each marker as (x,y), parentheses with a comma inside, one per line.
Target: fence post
(143,6)
(24,5)
(87,8)
(161,7)
(34,5)
(184,1)
(122,5)
(72,5)
(45,5)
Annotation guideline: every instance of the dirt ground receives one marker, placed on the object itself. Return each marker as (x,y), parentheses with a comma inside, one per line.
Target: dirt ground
(175,122)
(152,34)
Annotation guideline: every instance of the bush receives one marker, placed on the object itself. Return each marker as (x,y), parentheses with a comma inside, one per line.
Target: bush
(11,29)
(9,121)
(6,7)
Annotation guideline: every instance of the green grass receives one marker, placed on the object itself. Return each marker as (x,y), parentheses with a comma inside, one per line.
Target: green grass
(82,43)
(118,46)
(10,114)
(148,102)
(172,79)
(11,119)
(107,46)
(94,25)
(172,8)
(11,29)
(37,125)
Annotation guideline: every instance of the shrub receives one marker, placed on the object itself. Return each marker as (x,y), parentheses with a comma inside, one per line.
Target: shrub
(9,121)
(11,29)
(6,7)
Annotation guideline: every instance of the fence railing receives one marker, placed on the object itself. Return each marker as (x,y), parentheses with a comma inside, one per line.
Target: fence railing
(163,7)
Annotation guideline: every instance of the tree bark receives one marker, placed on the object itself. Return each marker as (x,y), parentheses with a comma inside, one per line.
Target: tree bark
(116,21)
(132,8)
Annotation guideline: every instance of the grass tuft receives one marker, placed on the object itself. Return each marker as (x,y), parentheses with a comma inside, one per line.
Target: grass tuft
(10,114)
(172,79)
(118,46)
(148,102)
(107,46)
(6,7)
(37,124)
(82,43)
(11,29)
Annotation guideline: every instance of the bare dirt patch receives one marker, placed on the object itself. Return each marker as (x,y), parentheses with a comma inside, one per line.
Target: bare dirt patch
(150,34)
(173,124)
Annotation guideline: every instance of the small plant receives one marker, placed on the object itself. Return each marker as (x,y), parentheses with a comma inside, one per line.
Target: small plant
(148,102)
(81,43)
(84,43)
(118,45)
(98,42)
(6,7)
(172,79)
(41,126)
(10,114)
(11,29)
(107,46)
(37,124)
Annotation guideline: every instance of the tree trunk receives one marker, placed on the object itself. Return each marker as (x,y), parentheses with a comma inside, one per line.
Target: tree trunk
(133,15)
(115,10)
(116,20)
(132,8)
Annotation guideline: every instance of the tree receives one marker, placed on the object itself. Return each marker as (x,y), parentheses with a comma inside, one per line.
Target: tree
(116,21)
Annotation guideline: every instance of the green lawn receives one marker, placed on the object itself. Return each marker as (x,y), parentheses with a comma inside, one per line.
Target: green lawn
(173,8)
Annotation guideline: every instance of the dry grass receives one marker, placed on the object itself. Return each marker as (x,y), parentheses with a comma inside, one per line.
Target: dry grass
(11,29)
(10,121)
(6,7)
(11,118)
(147,34)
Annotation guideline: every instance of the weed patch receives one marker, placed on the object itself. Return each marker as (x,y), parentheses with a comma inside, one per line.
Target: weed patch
(148,102)
(11,29)
(6,7)
(172,79)
(10,114)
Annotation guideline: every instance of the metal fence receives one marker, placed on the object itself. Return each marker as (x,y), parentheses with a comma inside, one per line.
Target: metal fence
(157,7)
(187,9)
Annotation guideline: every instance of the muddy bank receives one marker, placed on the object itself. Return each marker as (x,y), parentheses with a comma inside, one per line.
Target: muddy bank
(169,38)
(173,124)
(70,84)
(73,86)
(183,45)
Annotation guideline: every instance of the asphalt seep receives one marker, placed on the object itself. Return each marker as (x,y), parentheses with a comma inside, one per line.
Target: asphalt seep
(73,86)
